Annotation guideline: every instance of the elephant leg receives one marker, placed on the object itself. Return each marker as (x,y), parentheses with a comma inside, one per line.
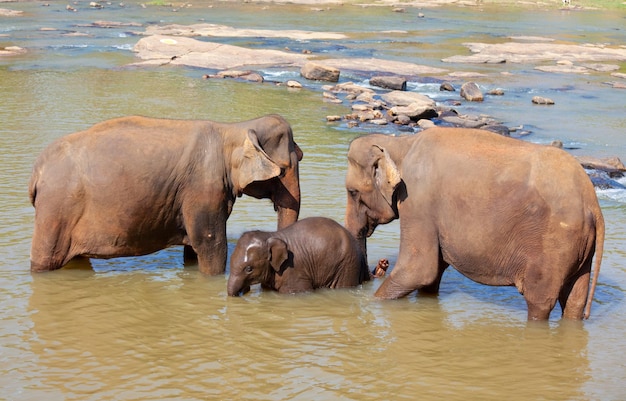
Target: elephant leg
(541,290)
(433,289)
(207,235)
(419,266)
(573,296)
(50,248)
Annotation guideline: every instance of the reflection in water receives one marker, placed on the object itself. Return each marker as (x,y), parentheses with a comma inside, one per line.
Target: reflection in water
(175,333)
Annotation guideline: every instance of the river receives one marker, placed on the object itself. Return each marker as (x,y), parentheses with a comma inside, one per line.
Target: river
(151,328)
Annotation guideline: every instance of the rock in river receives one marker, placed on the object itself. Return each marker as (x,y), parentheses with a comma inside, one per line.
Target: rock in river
(470,91)
(319,72)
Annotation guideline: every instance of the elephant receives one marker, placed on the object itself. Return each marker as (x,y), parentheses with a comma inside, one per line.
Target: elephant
(316,252)
(501,211)
(134,185)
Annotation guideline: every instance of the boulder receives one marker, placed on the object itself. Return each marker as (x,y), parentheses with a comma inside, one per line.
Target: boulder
(319,72)
(389,82)
(415,111)
(610,164)
(410,104)
(470,91)
(402,98)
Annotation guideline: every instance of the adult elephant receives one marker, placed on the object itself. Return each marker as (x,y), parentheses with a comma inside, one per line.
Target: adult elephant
(499,210)
(134,185)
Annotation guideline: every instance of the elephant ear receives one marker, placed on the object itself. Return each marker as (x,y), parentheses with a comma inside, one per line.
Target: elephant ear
(386,173)
(277,252)
(254,163)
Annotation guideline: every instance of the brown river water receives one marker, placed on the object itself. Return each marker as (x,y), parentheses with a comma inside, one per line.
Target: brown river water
(150,328)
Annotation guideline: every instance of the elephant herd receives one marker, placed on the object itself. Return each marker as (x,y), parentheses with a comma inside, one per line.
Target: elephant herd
(466,198)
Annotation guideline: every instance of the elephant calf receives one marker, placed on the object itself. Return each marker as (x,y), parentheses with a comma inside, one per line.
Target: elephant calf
(315,252)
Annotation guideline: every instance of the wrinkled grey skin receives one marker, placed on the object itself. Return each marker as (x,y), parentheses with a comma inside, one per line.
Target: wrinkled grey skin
(499,210)
(135,185)
(315,252)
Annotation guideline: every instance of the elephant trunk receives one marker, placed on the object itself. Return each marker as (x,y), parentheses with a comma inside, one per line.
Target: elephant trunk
(356,227)
(287,197)
(236,288)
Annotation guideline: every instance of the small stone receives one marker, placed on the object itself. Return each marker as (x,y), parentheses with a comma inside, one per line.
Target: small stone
(361,107)
(496,92)
(294,84)
(403,119)
(333,118)
(557,144)
(366,116)
(425,124)
(447,87)
(542,100)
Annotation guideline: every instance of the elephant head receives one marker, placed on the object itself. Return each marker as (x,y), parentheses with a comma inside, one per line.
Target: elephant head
(266,166)
(373,181)
(256,259)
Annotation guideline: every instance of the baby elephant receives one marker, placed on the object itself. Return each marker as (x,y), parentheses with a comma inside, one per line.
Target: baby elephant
(315,252)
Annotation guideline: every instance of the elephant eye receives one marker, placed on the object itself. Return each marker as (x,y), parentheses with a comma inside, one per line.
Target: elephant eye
(248,269)
(353,193)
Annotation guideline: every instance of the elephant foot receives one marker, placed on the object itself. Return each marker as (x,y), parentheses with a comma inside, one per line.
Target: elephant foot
(381,268)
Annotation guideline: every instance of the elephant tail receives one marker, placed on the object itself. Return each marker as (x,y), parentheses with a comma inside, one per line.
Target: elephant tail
(599,220)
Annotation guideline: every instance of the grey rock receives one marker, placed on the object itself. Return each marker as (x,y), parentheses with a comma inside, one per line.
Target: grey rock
(389,82)
(470,91)
(497,128)
(402,98)
(447,87)
(415,111)
(319,72)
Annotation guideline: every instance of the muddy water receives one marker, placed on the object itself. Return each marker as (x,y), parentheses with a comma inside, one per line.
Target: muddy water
(150,328)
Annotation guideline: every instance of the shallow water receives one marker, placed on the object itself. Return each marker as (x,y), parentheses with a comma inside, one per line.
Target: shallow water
(150,328)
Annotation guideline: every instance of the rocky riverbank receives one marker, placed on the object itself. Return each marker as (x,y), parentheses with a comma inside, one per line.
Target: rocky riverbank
(384,100)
